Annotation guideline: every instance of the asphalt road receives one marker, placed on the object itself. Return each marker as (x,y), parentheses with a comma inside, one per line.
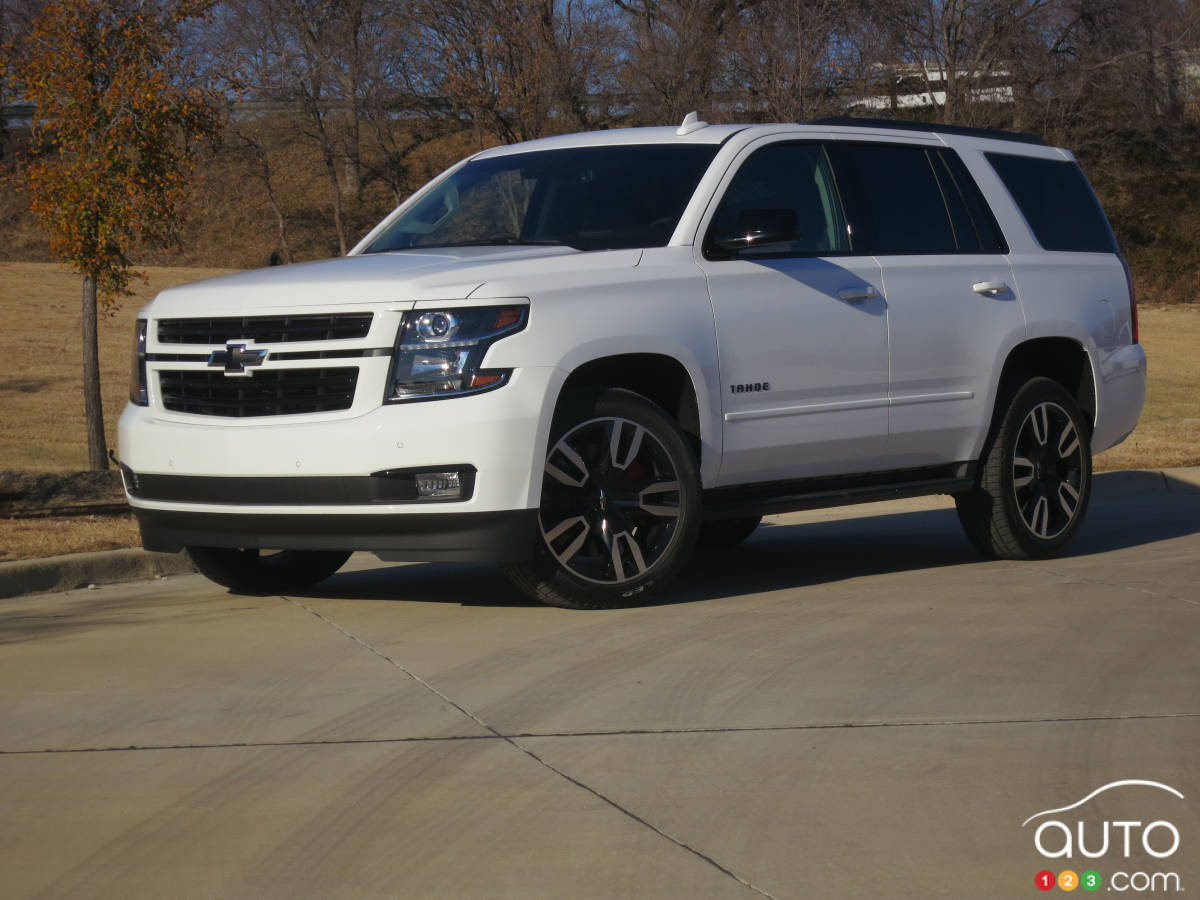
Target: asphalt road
(851,705)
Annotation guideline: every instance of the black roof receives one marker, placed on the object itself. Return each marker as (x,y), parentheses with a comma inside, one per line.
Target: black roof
(898,124)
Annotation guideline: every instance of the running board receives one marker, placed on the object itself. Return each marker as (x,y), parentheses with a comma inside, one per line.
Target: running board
(766,498)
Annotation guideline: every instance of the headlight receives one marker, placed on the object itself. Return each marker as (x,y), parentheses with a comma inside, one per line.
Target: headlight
(137,367)
(438,352)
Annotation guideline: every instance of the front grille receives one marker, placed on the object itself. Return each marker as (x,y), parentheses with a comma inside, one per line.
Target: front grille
(283,392)
(265,329)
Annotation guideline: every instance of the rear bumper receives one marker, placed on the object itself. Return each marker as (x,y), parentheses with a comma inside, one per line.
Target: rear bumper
(1120,378)
(506,536)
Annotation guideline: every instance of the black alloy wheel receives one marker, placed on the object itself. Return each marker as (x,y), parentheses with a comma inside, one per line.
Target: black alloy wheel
(1035,476)
(1047,470)
(619,508)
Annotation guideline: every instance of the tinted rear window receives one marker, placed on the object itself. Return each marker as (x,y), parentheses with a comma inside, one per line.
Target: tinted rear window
(1057,202)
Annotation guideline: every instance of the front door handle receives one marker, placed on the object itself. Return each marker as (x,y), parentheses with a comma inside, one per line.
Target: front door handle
(856,294)
(989,288)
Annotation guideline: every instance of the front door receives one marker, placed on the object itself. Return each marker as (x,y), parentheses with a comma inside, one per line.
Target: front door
(801,323)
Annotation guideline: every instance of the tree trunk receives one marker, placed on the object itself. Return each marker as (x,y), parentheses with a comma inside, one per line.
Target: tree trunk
(93,410)
(335,190)
(285,249)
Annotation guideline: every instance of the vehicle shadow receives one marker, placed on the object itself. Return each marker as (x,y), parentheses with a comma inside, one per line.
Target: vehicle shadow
(783,556)
(465,584)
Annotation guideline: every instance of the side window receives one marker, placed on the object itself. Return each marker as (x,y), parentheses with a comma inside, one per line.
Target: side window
(1057,202)
(897,206)
(782,202)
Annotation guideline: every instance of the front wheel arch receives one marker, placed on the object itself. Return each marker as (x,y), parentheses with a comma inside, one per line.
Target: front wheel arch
(663,380)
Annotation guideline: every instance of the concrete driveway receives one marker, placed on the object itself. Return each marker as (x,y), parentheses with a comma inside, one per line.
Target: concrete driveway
(851,705)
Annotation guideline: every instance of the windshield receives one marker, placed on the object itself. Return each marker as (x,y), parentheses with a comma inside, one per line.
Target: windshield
(590,198)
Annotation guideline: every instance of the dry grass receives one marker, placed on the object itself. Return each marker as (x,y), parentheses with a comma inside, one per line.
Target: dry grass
(35,538)
(41,392)
(1168,434)
(41,403)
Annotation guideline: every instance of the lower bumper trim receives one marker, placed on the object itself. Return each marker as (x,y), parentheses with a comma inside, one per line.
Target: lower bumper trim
(506,536)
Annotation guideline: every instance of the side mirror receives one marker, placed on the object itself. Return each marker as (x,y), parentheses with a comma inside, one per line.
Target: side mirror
(755,227)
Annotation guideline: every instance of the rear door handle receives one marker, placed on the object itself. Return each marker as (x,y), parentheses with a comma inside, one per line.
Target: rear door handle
(989,288)
(855,294)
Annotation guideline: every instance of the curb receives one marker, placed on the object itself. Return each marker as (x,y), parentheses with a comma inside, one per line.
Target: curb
(79,570)
(1131,482)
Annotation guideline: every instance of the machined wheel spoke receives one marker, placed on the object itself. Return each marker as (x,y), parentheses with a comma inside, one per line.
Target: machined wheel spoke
(1068,440)
(626,540)
(661,507)
(562,528)
(1039,517)
(1039,421)
(1023,471)
(1068,498)
(622,456)
(555,471)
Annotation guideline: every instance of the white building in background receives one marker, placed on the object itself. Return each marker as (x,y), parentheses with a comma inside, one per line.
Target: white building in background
(923,86)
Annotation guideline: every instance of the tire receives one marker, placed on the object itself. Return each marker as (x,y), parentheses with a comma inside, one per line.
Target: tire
(1035,477)
(259,572)
(723,534)
(620,505)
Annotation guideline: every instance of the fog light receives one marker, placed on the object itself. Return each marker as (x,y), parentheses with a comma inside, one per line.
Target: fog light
(438,485)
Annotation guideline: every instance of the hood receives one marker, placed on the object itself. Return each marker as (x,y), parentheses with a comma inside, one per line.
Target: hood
(400,278)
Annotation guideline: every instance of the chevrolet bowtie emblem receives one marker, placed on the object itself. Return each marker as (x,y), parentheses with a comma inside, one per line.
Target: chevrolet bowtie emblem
(235,359)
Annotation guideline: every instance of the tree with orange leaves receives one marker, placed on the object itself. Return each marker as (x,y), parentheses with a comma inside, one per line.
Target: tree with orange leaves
(116,128)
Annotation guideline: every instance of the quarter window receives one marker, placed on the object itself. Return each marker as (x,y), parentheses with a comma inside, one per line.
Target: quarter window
(1057,202)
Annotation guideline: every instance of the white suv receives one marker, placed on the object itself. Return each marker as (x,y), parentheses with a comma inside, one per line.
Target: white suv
(585,355)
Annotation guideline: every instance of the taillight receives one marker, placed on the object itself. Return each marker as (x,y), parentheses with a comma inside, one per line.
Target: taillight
(1133,318)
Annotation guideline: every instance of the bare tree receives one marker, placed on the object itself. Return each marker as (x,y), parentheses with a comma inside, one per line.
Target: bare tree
(519,69)
(1084,70)
(957,50)
(256,143)
(783,58)
(330,62)
(673,51)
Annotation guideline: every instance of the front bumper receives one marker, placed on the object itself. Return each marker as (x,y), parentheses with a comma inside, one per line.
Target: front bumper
(337,483)
(427,537)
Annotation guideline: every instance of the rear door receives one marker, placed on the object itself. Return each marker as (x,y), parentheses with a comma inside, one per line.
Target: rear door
(952,301)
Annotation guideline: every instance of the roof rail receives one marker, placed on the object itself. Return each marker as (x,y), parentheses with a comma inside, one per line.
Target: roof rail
(898,124)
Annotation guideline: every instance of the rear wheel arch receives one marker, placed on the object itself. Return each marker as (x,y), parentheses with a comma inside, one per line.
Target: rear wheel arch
(1060,359)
